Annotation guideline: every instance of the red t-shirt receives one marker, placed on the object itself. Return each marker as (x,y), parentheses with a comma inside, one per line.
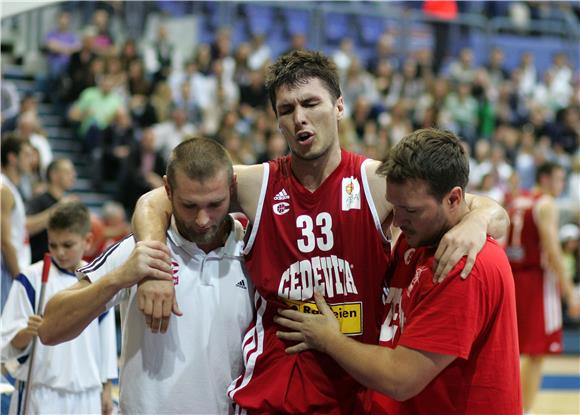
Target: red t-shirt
(473,319)
(300,240)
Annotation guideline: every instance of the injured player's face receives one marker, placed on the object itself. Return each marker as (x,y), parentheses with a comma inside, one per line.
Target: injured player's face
(201,207)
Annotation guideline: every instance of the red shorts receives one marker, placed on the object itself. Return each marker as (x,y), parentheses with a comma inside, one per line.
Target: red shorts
(539,312)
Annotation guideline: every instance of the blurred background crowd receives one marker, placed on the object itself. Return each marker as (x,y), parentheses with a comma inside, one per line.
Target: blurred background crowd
(107,89)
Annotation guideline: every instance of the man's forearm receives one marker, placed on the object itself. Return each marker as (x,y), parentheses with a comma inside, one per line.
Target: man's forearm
(373,366)
(490,213)
(70,311)
(10,258)
(152,214)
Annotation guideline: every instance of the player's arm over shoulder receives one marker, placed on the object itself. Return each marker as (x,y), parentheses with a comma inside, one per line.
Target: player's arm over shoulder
(249,183)
(378,187)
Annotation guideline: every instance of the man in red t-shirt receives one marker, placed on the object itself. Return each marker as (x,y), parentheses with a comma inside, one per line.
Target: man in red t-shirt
(444,345)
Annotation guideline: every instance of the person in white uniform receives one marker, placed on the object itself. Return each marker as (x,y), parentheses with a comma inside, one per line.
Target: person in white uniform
(17,155)
(188,369)
(68,378)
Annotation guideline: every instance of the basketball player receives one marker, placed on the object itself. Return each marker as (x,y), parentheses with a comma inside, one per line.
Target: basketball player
(536,258)
(442,345)
(317,222)
(189,369)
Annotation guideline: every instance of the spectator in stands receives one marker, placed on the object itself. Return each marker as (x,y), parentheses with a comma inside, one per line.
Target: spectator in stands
(103,42)
(143,171)
(358,82)
(95,110)
(172,132)
(495,66)
(116,143)
(462,108)
(79,68)
(569,236)
(29,128)
(61,177)
(343,57)
(60,44)
(159,55)
(161,101)
(528,74)
(260,52)
(462,70)
(385,51)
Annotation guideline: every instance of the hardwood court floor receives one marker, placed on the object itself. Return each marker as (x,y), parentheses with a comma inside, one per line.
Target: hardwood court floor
(560,393)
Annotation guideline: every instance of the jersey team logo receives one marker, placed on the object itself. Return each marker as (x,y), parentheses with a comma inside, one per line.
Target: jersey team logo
(350,193)
(282,195)
(281,208)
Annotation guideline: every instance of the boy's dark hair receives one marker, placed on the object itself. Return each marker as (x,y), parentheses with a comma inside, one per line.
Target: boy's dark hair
(432,155)
(546,169)
(72,217)
(200,159)
(12,144)
(297,67)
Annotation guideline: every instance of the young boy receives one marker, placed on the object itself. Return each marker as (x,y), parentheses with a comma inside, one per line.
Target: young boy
(71,377)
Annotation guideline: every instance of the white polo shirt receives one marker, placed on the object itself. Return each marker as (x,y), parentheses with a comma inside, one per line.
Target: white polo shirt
(187,369)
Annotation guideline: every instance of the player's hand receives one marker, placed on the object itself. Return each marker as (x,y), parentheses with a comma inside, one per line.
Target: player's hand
(156,300)
(34,322)
(311,331)
(466,238)
(149,259)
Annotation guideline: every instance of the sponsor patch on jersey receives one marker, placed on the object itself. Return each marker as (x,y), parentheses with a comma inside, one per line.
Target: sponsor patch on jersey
(281,208)
(350,193)
(282,195)
(349,315)
(242,284)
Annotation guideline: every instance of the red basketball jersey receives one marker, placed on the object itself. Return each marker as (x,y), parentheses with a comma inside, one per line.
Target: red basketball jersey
(330,241)
(523,245)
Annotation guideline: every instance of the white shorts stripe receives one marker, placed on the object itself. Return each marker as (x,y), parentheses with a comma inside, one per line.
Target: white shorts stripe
(250,360)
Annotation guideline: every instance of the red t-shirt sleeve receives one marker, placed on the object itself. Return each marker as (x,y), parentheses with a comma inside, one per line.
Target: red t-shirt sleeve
(445,318)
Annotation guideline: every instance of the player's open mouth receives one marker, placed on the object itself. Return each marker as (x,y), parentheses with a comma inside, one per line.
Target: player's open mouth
(305,137)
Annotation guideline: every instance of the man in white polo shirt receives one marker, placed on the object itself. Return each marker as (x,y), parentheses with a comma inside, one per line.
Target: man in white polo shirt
(188,369)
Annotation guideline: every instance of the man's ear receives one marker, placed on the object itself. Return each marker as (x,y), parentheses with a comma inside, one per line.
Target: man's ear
(455,197)
(167,186)
(340,108)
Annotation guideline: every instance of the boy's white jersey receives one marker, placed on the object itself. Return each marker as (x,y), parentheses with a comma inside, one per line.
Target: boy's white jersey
(74,366)
(187,369)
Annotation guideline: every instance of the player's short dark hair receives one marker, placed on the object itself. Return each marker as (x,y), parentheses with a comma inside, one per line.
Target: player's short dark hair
(12,144)
(547,168)
(429,154)
(200,159)
(71,217)
(297,67)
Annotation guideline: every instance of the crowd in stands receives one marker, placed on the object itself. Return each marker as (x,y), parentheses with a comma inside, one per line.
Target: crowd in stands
(131,102)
